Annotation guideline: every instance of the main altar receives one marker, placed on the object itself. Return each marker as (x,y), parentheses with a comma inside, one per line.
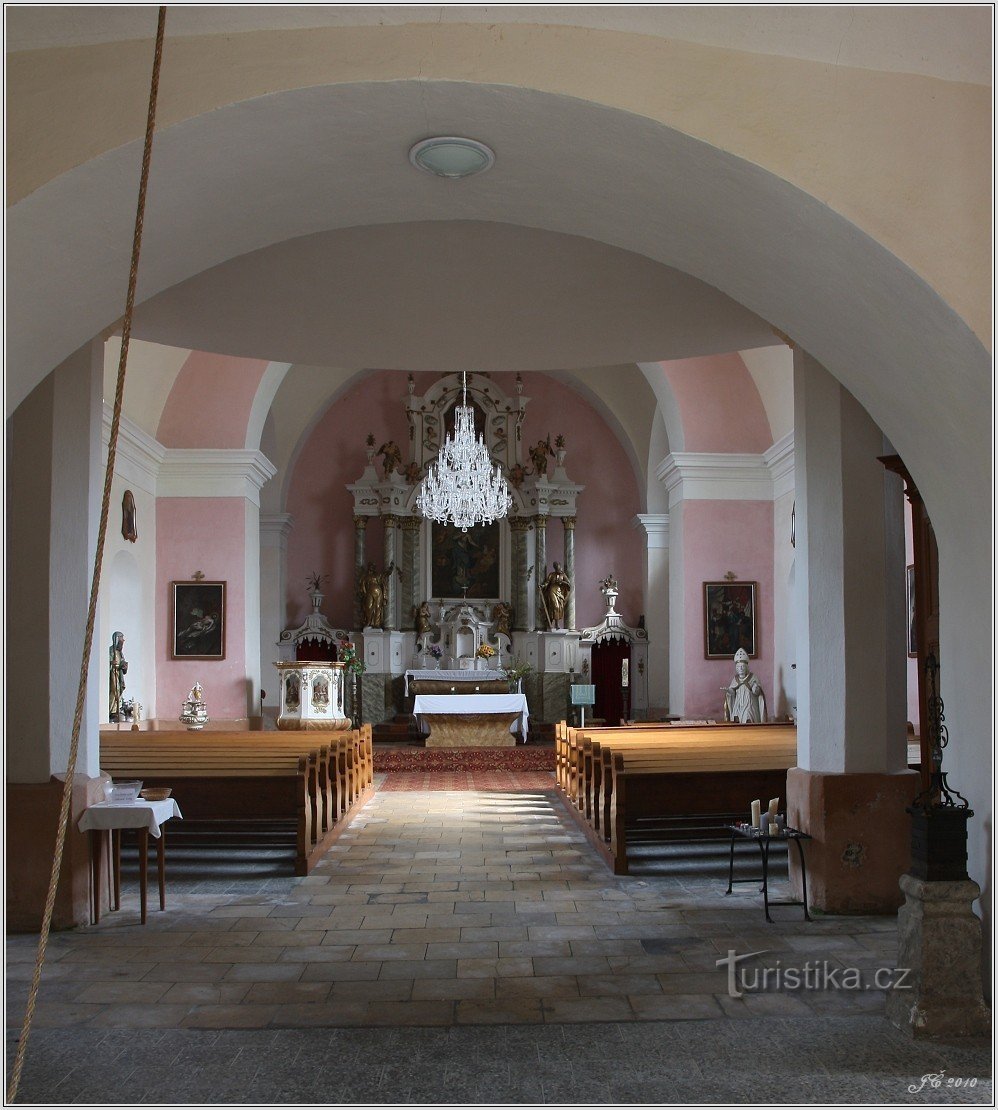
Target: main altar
(434,597)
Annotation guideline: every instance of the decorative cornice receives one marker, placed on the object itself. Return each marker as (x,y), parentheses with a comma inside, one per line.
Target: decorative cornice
(780,460)
(716,476)
(207,472)
(138,457)
(655,527)
(276,526)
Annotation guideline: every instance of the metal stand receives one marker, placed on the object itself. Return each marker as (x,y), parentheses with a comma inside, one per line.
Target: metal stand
(763,840)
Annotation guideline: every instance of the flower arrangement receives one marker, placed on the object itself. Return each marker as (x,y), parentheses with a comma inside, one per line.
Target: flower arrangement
(435,650)
(347,653)
(515,671)
(485,651)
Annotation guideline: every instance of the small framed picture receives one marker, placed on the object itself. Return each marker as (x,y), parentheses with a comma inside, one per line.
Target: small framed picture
(910,598)
(729,619)
(198,620)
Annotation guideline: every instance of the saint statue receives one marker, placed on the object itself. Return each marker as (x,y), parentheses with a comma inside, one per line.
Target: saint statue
(373,588)
(118,669)
(502,614)
(539,455)
(554,594)
(391,456)
(744,701)
(424,621)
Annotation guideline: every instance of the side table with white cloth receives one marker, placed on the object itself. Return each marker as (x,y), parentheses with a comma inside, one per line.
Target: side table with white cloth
(112,817)
(463,720)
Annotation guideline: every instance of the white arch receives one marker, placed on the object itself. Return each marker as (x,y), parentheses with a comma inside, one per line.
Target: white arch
(265,394)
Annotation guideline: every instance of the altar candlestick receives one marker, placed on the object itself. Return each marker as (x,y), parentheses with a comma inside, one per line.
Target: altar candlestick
(774,805)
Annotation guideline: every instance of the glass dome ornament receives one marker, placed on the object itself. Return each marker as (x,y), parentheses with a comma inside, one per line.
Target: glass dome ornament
(463,486)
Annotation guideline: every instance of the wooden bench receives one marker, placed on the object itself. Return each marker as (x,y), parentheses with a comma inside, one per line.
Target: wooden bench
(736,747)
(656,794)
(314,779)
(668,783)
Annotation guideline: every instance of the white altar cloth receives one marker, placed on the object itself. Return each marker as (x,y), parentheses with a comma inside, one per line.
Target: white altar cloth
(484,675)
(137,815)
(457,704)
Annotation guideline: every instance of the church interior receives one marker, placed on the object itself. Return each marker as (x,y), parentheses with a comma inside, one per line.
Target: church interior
(471,809)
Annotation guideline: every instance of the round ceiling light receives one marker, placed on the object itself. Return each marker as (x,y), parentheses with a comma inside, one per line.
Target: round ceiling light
(451,156)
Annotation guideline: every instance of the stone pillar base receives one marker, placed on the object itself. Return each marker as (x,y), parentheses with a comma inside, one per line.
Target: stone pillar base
(32,819)
(939,939)
(862,837)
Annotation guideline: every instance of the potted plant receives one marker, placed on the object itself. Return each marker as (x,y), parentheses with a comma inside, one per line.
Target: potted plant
(514,673)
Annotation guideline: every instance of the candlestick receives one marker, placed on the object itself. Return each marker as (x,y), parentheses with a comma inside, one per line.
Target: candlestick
(756,813)
(774,805)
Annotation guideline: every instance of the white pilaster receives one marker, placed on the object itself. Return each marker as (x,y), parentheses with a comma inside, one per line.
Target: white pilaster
(274,531)
(847,722)
(655,527)
(55,479)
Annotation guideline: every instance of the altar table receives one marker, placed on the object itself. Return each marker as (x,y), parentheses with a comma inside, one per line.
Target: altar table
(472,720)
(486,674)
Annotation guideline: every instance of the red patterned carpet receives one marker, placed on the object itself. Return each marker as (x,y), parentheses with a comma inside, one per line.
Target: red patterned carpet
(509,770)
(475,760)
(506,782)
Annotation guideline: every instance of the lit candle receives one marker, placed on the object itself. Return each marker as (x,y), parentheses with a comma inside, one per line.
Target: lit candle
(756,813)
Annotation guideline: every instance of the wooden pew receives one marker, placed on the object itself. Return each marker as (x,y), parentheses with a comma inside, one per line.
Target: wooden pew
(692,749)
(682,779)
(648,784)
(316,779)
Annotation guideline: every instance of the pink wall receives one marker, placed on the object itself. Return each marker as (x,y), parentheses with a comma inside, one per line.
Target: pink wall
(719,405)
(333,455)
(211,400)
(206,534)
(722,536)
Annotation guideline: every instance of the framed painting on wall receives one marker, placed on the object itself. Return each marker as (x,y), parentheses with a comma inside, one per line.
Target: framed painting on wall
(910,600)
(729,619)
(198,620)
(465,560)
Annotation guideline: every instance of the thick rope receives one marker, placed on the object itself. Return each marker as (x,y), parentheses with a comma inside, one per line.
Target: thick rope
(74,747)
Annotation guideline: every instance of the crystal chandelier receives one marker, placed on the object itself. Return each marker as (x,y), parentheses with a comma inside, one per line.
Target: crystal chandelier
(463,487)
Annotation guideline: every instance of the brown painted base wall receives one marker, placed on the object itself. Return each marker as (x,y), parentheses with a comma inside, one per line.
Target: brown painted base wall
(32,819)
(862,838)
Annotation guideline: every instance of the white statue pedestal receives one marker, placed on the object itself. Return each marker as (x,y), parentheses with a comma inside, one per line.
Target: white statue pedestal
(312,696)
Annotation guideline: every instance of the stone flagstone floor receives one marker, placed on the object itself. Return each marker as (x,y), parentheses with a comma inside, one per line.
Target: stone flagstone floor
(464,946)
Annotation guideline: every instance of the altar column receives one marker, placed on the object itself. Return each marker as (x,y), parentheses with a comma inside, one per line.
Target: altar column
(519,526)
(540,564)
(359,535)
(390,522)
(411,571)
(569,523)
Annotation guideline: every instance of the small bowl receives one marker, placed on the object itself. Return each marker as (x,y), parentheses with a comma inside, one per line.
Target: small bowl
(156,793)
